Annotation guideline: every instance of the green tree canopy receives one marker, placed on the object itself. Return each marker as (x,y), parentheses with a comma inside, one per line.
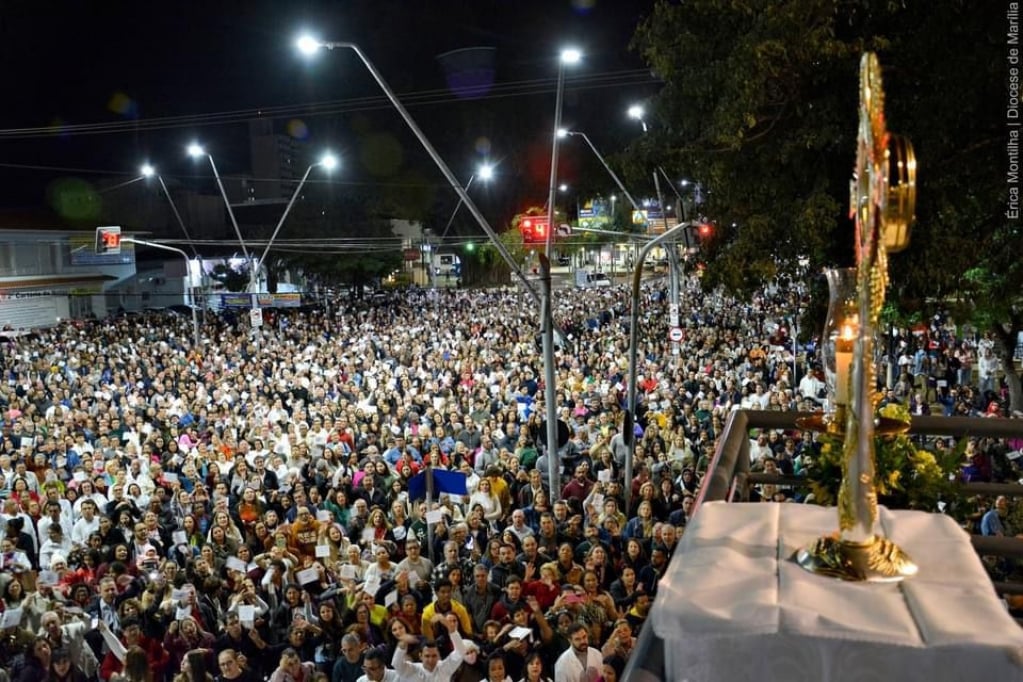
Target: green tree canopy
(759,104)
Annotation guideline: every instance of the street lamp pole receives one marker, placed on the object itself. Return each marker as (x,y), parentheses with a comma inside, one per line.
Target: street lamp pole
(148,171)
(188,276)
(629,427)
(485,172)
(195,150)
(564,133)
(547,308)
(328,162)
(309,45)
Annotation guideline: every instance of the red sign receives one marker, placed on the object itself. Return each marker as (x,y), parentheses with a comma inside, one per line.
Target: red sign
(411,254)
(534,229)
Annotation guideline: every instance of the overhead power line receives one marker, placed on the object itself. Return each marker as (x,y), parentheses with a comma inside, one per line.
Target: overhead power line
(611,79)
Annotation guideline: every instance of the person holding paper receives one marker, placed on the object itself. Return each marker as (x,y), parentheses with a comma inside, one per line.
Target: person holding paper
(432,668)
(238,640)
(69,637)
(132,636)
(182,636)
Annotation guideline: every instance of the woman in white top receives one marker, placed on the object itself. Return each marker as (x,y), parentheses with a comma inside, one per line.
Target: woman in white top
(488,501)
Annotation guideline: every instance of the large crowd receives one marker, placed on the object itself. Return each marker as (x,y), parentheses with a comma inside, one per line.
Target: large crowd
(242,510)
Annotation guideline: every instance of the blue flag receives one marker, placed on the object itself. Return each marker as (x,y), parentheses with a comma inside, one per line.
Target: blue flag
(450,482)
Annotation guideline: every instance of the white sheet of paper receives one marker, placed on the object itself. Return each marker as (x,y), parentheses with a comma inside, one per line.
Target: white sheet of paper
(604,475)
(247,613)
(183,613)
(170,477)
(371,586)
(48,578)
(399,532)
(236,564)
(179,537)
(520,633)
(368,534)
(309,575)
(435,516)
(391,599)
(178,595)
(11,618)
(322,550)
(324,515)
(348,572)
(598,500)
(79,476)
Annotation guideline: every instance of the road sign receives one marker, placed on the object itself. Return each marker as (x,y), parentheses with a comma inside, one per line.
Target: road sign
(256,317)
(676,334)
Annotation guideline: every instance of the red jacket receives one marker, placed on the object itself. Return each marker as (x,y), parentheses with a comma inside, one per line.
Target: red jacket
(158,660)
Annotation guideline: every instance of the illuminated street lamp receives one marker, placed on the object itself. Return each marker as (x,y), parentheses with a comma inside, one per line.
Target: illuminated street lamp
(328,162)
(484,172)
(563,133)
(309,45)
(195,151)
(148,171)
(568,57)
(637,112)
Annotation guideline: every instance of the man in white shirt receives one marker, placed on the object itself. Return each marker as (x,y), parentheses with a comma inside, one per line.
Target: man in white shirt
(89,523)
(375,666)
(432,669)
(580,662)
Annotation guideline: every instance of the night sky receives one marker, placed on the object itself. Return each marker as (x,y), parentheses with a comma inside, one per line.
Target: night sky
(92,89)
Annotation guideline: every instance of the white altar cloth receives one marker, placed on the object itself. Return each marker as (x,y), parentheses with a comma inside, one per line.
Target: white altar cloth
(734,606)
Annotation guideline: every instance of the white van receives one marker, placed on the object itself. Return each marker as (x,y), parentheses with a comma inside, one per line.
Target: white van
(585,279)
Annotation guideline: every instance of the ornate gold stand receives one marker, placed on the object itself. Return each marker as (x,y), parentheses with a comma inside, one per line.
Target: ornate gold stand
(879,560)
(882,200)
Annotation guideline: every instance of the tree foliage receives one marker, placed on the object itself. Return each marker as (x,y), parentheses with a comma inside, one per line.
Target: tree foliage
(759,104)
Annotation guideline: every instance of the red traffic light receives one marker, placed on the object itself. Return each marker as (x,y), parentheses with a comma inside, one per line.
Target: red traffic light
(704,230)
(533,229)
(108,240)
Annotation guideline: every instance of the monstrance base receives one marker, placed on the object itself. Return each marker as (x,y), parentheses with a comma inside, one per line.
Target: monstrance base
(878,561)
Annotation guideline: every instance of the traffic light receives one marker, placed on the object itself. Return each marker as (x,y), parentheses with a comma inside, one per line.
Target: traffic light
(108,240)
(705,230)
(533,229)
(540,229)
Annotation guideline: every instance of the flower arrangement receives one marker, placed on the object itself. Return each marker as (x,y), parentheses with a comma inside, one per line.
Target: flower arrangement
(905,477)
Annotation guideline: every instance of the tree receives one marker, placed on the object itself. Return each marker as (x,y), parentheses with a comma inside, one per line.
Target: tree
(759,104)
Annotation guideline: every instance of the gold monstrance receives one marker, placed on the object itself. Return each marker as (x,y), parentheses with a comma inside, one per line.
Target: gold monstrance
(883,194)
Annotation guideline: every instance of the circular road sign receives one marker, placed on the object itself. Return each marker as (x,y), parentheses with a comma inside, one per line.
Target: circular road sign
(675,334)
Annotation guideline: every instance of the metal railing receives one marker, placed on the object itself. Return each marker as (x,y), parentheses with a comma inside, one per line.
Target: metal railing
(729,478)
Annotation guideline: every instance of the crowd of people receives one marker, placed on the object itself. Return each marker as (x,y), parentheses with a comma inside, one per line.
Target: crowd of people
(242,510)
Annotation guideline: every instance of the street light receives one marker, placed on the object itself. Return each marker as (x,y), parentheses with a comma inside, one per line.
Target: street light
(148,171)
(195,150)
(484,172)
(637,112)
(309,45)
(329,163)
(562,133)
(568,57)
(164,247)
